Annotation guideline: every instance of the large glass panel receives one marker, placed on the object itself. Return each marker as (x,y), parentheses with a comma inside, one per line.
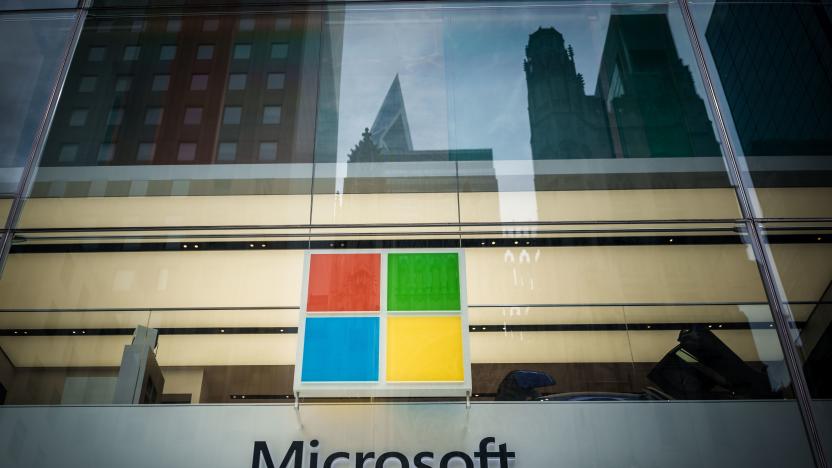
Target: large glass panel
(32,47)
(180,120)
(213,321)
(772,62)
(226,355)
(802,262)
(501,114)
(55,356)
(672,312)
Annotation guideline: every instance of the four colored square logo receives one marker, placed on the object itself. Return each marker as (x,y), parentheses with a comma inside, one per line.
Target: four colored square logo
(383,323)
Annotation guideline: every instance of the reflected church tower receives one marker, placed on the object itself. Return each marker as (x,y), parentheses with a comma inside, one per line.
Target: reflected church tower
(645,102)
(565,123)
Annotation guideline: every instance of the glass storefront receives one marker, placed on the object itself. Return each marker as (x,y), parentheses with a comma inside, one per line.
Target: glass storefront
(638,197)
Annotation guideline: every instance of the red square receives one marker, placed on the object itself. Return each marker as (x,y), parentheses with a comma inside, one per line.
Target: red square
(344,283)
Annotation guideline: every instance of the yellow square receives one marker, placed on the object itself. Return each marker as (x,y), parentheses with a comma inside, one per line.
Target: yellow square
(424,349)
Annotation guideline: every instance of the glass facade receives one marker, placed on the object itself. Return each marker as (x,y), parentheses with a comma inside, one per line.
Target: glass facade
(638,196)
(33,46)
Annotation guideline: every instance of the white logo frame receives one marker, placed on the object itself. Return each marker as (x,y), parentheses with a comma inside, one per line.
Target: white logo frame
(381,387)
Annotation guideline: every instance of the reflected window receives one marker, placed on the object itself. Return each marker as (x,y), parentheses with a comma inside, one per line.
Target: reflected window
(187,152)
(123,84)
(137,26)
(87,84)
(78,118)
(106,152)
(237,81)
(227,151)
(116,116)
(232,115)
(246,24)
(275,80)
(271,115)
(68,153)
(167,52)
(153,116)
(160,83)
(279,50)
(193,115)
(282,24)
(145,152)
(267,151)
(131,53)
(211,24)
(205,52)
(241,52)
(199,82)
(96,54)
(174,25)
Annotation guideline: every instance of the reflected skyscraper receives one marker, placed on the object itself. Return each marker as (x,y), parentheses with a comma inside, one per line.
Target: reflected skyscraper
(645,103)
(775,64)
(649,94)
(565,122)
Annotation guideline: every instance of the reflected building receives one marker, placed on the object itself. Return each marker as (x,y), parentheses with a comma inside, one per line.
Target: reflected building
(565,123)
(775,65)
(187,90)
(648,92)
(389,139)
(645,103)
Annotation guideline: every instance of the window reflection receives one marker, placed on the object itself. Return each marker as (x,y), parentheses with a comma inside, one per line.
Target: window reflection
(773,62)
(605,83)
(180,61)
(606,104)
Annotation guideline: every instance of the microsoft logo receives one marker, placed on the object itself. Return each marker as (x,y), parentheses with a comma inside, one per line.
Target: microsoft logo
(383,323)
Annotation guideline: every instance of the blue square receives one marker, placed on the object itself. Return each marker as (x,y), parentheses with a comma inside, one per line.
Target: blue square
(340,349)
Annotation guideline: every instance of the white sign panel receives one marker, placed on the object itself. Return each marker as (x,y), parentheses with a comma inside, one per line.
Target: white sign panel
(383,323)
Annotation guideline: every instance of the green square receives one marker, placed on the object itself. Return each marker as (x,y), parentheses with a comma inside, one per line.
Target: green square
(418,281)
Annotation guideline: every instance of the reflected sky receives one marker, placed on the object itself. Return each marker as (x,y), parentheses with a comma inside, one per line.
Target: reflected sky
(30,49)
(461,70)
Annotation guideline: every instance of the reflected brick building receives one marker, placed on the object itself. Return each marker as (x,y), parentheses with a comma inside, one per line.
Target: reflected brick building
(186,90)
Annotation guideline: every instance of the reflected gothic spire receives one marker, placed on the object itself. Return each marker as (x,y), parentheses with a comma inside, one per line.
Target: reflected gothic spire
(390,131)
